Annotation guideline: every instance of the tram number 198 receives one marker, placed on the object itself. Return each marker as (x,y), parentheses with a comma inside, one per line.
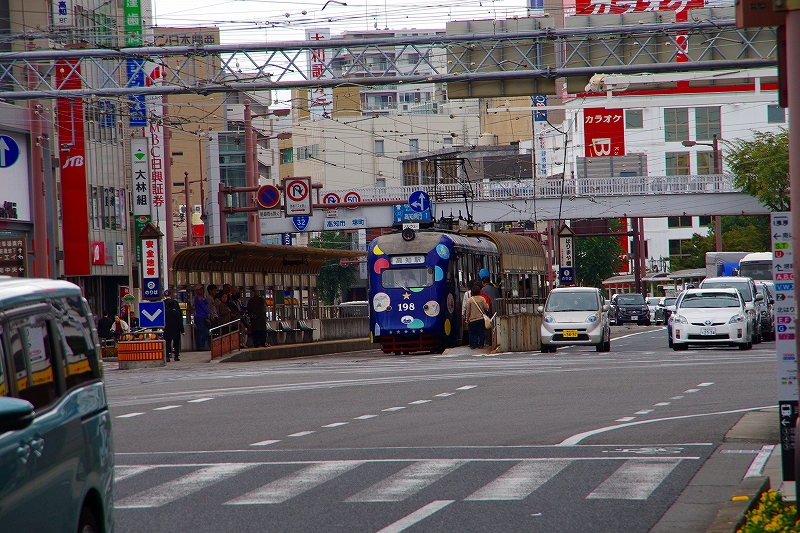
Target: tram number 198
(405,307)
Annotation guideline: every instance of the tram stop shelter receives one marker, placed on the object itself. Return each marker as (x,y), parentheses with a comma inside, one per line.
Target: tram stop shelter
(288,275)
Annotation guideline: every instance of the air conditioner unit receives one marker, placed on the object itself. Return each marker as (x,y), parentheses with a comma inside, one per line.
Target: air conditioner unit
(198,208)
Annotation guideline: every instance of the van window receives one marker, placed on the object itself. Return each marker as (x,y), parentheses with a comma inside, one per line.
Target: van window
(3,386)
(572,301)
(80,356)
(32,354)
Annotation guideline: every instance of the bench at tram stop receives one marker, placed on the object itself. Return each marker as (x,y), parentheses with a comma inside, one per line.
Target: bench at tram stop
(307,332)
(293,335)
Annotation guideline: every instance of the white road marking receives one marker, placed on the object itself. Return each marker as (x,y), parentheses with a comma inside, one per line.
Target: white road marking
(761,459)
(706,384)
(445,394)
(364,417)
(390,409)
(265,442)
(661,404)
(520,481)
(198,400)
(636,479)
(183,486)
(166,408)
(417,516)
(295,484)
(467,387)
(643,412)
(301,434)
(130,415)
(577,438)
(689,391)
(335,424)
(419,402)
(408,481)
(625,419)
(124,472)
(676,397)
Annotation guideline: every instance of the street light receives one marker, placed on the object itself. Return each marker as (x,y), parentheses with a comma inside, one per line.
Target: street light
(714,144)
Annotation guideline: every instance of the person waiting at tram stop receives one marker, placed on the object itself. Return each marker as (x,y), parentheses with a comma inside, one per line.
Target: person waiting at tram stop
(489,290)
(202,320)
(173,328)
(477,307)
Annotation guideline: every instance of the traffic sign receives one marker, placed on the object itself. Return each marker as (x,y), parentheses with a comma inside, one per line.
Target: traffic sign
(300,223)
(566,275)
(9,151)
(419,201)
(151,314)
(268,196)
(352,197)
(298,196)
(331,198)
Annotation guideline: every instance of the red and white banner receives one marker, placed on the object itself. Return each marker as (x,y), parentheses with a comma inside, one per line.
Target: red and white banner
(69,116)
(597,7)
(603,132)
(320,99)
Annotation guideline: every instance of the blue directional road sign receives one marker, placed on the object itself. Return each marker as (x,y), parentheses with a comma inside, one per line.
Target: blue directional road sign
(300,223)
(151,314)
(404,213)
(566,275)
(9,151)
(419,201)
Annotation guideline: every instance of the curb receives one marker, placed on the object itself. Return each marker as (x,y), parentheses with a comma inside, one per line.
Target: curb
(732,515)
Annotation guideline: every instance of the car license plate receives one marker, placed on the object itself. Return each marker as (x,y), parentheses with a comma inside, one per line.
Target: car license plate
(571,333)
(708,331)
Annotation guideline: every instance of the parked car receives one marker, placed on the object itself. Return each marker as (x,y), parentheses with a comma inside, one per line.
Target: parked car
(56,446)
(711,317)
(766,310)
(652,303)
(575,315)
(628,307)
(747,287)
(662,312)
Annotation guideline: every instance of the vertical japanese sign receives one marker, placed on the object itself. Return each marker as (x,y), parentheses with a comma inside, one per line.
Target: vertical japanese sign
(320,99)
(158,207)
(785,342)
(603,132)
(151,282)
(566,265)
(62,13)
(12,257)
(140,173)
(69,115)
(540,144)
(132,12)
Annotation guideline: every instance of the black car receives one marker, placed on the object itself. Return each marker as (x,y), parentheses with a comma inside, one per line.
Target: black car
(628,307)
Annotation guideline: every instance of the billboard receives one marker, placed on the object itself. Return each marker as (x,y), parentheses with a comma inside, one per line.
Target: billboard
(604,132)
(598,7)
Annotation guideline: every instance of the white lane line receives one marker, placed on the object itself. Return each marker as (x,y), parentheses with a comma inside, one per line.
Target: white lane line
(183,486)
(444,394)
(336,424)
(417,516)
(130,415)
(676,397)
(467,387)
(265,442)
(520,481)
(124,472)
(390,409)
(408,481)
(166,408)
(760,460)
(295,484)
(689,391)
(661,404)
(643,412)
(636,479)
(199,400)
(625,419)
(301,434)
(577,438)
(706,384)
(364,417)
(419,402)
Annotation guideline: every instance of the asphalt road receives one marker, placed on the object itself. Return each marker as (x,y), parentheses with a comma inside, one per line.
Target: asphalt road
(361,442)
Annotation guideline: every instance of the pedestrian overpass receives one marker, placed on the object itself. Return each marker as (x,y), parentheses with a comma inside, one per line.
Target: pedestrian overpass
(536,200)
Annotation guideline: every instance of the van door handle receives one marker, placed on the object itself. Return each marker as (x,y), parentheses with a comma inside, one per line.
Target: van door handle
(24,453)
(37,446)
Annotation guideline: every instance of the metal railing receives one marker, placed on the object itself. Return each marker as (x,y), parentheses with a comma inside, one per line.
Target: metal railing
(518,306)
(225,338)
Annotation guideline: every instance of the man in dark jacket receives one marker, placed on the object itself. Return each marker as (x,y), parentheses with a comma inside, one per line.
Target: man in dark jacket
(257,313)
(104,326)
(173,328)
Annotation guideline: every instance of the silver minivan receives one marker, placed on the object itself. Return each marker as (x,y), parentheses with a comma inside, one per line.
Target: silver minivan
(56,447)
(574,316)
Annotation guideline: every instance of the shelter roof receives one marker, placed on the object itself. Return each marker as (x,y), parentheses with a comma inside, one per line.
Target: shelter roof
(519,253)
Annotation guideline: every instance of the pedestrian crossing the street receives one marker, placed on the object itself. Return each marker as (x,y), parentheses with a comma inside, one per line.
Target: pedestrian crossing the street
(626,479)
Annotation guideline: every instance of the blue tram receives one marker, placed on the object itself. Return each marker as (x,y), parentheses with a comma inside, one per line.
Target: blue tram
(417,281)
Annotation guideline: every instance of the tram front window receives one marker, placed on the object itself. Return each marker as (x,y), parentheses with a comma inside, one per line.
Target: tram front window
(407,278)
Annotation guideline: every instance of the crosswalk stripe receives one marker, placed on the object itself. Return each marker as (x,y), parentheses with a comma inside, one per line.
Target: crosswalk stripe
(406,482)
(417,516)
(183,486)
(295,484)
(636,479)
(124,472)
(519,481)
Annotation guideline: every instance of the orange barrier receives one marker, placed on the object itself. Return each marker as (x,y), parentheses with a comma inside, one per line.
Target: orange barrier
(145,350)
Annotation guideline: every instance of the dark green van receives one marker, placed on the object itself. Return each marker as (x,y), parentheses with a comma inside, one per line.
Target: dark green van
(56,448)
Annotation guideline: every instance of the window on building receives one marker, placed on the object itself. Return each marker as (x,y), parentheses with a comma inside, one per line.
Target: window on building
(287,155)
(676,124)
(677,163)
(703,221)
(413,146)
(410,172)
(447,141)
(705,162)
(776,114)
(679,247)
(379,147)
(634,119)
(380,183)
(707,123)
(679,222)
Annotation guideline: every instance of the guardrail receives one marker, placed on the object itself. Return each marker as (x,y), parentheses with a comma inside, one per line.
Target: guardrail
(225,338)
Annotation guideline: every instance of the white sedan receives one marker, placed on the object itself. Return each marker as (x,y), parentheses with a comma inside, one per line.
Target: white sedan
(711,316)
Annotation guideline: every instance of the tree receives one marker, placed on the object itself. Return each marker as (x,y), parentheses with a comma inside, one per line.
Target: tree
(597,258)
(761,167)
(739,234)
(333,278)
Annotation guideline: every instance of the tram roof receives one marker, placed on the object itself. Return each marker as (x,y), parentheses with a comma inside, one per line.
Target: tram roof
(518,253)
(256,257)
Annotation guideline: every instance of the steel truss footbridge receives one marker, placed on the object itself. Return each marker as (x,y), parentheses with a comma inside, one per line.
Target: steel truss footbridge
(544,54)
(540,200)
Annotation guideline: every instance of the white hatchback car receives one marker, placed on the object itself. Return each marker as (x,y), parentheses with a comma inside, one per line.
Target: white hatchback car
(711,316)
(575,315)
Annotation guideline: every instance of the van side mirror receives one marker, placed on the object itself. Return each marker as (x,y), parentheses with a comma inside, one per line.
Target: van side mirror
(759,297)
(15,414)
(606,307)
(540,308)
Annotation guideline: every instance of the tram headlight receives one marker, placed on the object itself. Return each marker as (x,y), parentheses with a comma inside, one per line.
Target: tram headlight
(408,234)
